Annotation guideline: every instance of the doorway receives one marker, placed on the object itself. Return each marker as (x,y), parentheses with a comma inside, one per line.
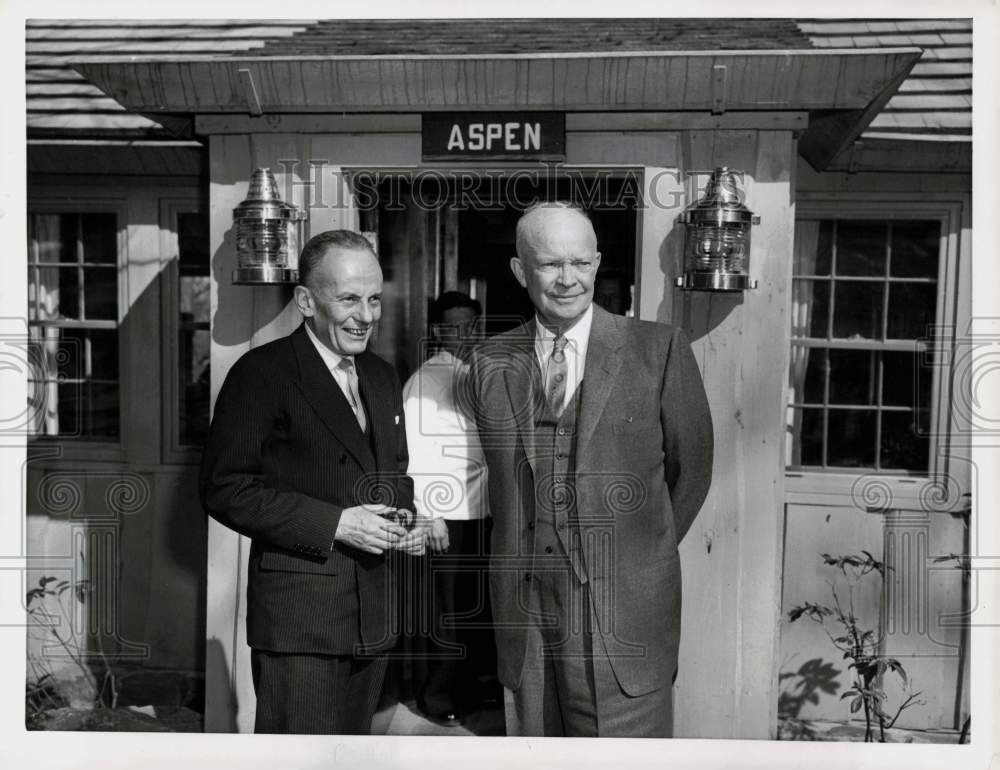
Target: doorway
(453,229)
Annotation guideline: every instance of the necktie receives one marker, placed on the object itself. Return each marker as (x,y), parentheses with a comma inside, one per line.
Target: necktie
(555,376)
(353,395)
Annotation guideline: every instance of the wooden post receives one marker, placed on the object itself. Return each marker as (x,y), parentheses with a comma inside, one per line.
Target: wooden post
(731,557)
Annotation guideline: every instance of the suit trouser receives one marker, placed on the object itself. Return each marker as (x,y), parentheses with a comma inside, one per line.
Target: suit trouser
(458,645)
(315,694)
(568,687)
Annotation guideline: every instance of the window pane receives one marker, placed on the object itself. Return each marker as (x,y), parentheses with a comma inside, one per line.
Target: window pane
(192,241)
(811,307)
(66,411)
(100,237)
(69,238)
(815,383)
(902,446)
(101,293)
(915,249)
(861,248)
(71,357)
(195,299)
(858,310)
(811,436)
(907,379)
(55,291)
(85,410)
(85,354)
(193,343)
(44,231)
(851,438)
(852,377)
(194,358)
(816,253)
(103,354)
(911,310)
(102,409)
(824,248)
(927,364)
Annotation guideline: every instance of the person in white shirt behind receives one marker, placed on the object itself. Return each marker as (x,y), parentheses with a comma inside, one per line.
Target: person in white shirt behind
(455,664)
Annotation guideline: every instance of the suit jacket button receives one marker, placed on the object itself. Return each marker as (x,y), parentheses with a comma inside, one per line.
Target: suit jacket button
(531,525)
(343,459)
(548,549)
(527,577)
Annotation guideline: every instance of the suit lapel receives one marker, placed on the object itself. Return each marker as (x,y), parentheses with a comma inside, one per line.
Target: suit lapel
(604,360)
(320,389)
(381,421)
(522,380)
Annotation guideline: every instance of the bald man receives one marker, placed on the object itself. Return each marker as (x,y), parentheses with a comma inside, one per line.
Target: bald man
(307,456)
(598,440)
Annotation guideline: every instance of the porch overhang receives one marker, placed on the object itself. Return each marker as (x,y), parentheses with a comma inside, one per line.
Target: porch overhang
(841,89)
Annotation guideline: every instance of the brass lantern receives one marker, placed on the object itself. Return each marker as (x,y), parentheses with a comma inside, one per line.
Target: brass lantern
(717,239)
(268,234)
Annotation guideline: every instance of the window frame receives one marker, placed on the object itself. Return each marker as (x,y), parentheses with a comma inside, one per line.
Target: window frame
(90,449)
(839,485)
(172,450)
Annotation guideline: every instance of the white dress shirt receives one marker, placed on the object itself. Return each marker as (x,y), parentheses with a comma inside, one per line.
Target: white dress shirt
(577,338)
(447,464)
(332,361)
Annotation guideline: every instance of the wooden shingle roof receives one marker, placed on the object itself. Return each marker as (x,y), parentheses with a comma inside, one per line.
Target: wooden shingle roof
(62,104)
(501,36)
(935,100)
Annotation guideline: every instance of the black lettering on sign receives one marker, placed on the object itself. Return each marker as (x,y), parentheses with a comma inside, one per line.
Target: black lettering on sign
(494,136)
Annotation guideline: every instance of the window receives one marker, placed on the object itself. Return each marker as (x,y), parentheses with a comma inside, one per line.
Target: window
(73,313)
(193,343)
(185,310)
(864,301)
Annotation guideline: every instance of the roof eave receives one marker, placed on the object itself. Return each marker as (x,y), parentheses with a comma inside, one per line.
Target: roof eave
(844,89)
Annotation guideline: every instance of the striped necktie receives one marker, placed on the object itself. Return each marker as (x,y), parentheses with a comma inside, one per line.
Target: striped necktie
(353,395)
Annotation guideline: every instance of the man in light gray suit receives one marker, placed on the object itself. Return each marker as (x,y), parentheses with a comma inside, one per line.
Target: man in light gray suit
(598,439)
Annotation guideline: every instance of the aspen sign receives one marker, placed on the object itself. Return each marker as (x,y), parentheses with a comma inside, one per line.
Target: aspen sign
(494,136)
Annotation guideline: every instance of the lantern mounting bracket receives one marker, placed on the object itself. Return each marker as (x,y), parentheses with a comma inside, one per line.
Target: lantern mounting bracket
(718,89)
(250,92)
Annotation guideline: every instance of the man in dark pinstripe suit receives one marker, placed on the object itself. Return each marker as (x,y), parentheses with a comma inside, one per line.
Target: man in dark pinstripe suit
(307,456)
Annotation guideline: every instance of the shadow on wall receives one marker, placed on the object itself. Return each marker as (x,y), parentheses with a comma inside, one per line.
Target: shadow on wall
(697,312)
(220,717)
(802,687)
(232,324)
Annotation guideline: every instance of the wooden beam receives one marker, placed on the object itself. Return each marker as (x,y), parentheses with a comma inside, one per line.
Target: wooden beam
(307,124)
(379,123)
(834,132)
(909,157)
(682,121)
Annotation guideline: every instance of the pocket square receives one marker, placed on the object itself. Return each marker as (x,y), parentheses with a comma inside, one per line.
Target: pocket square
(396,418)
